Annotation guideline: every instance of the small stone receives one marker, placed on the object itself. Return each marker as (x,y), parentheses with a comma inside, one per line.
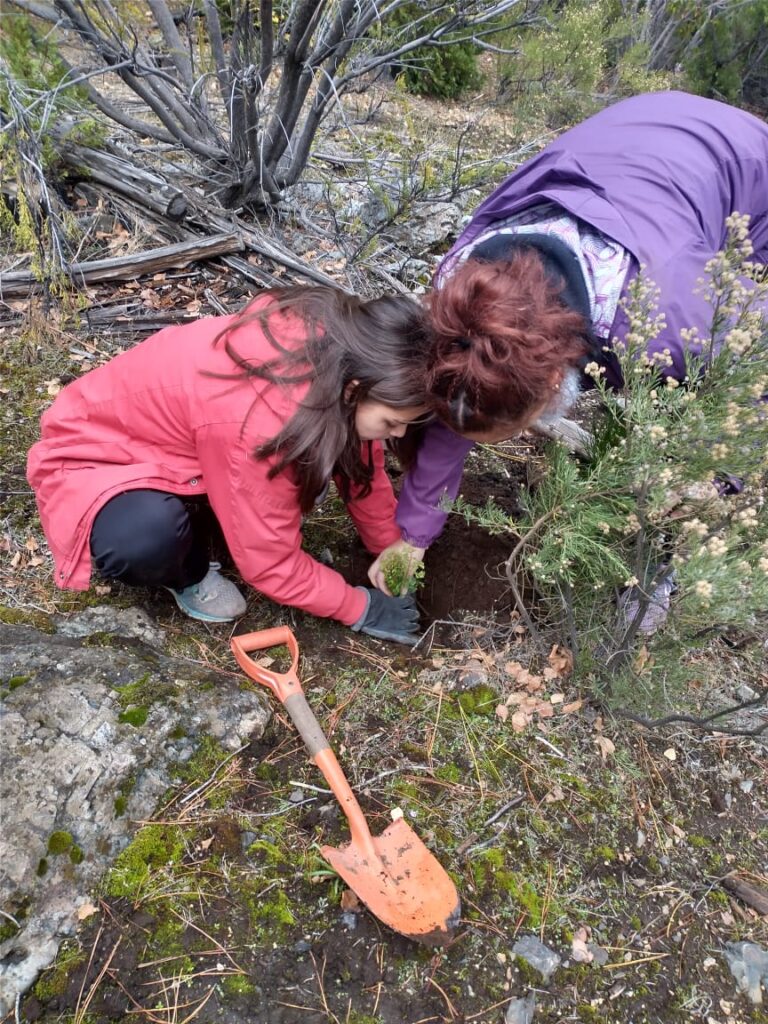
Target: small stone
(296,796)
(520,1011)
(599,955)
(749,966)
(539,956)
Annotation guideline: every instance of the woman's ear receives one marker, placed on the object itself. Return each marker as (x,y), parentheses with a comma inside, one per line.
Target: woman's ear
(556,378)
(349,391)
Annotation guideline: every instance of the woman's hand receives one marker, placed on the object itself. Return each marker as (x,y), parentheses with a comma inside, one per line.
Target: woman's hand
(411,558)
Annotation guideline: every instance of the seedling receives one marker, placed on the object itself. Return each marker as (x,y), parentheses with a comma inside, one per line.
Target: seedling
(401,575)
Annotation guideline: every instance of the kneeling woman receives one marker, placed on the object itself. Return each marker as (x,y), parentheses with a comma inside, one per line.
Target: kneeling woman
(246,419)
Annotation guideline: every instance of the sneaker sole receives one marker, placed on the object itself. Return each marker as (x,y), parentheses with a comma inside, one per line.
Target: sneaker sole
(200,616)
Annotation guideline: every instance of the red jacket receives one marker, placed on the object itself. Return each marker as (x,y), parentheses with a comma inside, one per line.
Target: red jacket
(151,418)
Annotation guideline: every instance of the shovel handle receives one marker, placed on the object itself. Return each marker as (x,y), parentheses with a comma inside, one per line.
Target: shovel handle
(282,684)
(287,688)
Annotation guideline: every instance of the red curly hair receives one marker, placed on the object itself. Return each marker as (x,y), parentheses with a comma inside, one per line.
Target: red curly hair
(501,333)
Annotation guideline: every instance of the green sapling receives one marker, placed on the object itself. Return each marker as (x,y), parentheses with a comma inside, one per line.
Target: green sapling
(401,574)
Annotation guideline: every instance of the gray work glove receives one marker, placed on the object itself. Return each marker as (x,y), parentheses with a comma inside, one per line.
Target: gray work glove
(389,618)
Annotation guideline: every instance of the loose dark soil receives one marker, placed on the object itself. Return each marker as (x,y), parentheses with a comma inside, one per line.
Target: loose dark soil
(464,568)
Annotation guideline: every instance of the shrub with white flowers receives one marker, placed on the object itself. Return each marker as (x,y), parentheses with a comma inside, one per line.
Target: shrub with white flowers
(648,508)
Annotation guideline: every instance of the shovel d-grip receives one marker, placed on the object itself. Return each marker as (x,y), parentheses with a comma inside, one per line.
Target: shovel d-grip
(393,874)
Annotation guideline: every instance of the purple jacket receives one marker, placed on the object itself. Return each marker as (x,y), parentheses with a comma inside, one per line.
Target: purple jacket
(658,173)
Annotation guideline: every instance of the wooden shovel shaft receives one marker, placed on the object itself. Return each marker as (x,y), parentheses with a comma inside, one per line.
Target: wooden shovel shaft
(287,688)
(310,730)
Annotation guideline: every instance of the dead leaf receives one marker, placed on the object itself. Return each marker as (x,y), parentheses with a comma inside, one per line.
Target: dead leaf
(575,705)
(31,544)
(555,795)
(557,698)
(534,683)
(561,660)
(605,746)
(349,901)
(205,843)
(545,710)
(15,560)
(520,721)
(642,659)
(579,951)
(86,910)
(502,712)
(671,754)
(513,669)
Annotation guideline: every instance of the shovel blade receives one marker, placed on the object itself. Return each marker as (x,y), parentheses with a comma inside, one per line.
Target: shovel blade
(405,887)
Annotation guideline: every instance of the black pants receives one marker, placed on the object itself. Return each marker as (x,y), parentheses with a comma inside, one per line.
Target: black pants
(154,539)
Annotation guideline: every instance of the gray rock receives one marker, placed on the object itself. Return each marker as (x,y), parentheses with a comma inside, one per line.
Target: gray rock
(599,955)
(128,622)
(535,953)
(520,1011)
(66,757)
(428,225)
(749,966)
(745,692)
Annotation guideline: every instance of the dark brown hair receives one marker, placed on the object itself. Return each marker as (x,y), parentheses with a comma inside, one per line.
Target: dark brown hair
(500,334)
(380,343)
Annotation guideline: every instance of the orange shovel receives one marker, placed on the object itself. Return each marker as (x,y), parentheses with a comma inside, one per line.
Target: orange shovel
(394,874)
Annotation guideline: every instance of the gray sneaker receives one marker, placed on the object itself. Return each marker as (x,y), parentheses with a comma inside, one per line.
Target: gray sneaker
(213,599)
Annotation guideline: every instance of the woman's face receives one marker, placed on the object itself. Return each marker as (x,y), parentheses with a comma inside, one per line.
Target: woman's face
(565,393)
(376,421)
(504,430)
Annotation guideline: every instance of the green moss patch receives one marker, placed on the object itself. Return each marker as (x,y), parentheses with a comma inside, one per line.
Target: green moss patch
(153,848)
(60,842)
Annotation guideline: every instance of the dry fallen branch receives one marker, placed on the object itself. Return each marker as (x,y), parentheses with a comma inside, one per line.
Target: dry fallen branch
(122,268)
(707,721)
(754,897)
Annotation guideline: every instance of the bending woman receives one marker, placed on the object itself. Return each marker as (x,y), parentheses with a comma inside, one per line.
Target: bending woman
(240,420)
(530,293)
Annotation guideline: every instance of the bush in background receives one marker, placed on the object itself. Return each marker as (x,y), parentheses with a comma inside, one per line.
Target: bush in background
(574,59)
(723,49)
(445,72)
